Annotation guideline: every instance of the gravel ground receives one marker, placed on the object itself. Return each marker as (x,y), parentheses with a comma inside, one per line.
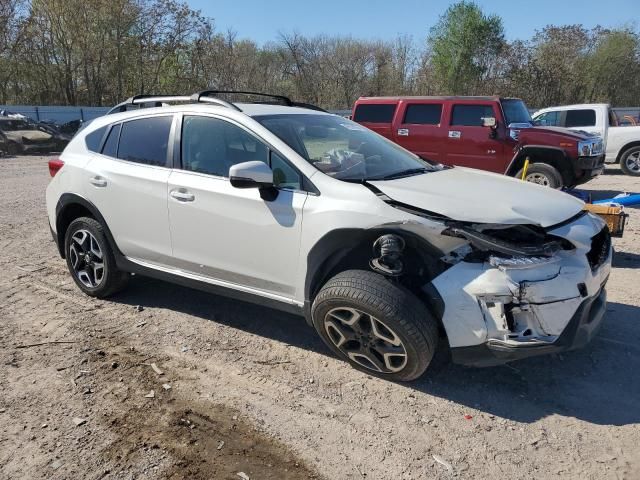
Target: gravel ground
(253,390)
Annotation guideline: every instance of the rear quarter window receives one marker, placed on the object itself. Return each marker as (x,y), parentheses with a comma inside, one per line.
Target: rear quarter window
(93,140)
(423,114)
(374,113)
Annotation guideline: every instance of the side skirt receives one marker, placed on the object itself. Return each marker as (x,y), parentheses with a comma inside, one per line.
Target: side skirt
(284,305)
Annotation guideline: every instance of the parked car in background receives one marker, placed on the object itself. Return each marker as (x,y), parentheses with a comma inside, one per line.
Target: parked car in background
(488,133)
(60,138)
(621,143)
(24,137)
(72,127)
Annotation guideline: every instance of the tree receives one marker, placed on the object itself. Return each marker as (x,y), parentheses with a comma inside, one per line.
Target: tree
(464,47)
(613,69)
(557,65)
(98,52)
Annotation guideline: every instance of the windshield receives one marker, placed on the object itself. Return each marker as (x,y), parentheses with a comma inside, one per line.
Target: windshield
(515,111)
(15,125)
(343,149)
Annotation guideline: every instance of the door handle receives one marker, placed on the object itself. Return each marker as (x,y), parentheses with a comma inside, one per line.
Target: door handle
(98,181)
(403,132)
(182,195)
(455,134)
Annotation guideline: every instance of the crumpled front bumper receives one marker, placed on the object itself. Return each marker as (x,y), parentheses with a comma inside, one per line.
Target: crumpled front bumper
(582,327)
(493,315)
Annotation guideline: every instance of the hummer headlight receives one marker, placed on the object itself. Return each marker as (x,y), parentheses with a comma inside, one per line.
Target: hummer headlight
(589,148)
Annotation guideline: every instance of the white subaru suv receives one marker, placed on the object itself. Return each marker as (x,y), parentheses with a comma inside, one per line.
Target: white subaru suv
(386,255)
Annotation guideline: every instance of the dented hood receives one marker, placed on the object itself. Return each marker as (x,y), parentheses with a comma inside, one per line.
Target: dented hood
(470,195)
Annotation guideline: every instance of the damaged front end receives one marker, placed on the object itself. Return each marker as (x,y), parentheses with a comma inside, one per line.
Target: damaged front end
(514,291)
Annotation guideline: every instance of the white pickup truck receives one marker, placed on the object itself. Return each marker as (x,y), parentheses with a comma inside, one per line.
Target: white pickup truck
(622,143)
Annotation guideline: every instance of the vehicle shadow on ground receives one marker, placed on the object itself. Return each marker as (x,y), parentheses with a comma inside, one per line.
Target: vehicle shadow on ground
(626,260)
(599,384)
(259,320)
(613,169)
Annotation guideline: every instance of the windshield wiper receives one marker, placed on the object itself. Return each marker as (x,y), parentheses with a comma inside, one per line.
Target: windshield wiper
(404,173)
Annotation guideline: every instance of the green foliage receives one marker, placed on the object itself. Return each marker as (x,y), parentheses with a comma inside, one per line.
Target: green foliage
(612,70)
(98,52)
(464,45)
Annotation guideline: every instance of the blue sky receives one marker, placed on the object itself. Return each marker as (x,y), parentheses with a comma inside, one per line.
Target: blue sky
(262,20)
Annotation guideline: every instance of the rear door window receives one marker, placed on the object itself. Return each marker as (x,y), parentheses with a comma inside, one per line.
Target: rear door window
(470,115)
(374,113)
(145,140)
(423,114)
(580,118)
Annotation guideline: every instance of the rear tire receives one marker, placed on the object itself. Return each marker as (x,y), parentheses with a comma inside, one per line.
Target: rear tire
(90,259)
(542,174)
(378,326)
(630,161)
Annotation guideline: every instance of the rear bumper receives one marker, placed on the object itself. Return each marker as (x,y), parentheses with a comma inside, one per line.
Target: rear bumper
(580,330)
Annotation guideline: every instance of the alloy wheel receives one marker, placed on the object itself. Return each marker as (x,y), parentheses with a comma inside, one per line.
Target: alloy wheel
(365,340)
(633,162)
(86,258)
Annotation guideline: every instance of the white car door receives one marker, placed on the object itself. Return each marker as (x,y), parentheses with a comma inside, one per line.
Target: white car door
(228,235)
(127,182)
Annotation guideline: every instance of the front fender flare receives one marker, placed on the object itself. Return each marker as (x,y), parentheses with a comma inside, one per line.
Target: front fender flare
(515,164)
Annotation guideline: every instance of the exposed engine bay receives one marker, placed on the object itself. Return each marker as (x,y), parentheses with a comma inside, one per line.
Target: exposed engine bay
(509,287)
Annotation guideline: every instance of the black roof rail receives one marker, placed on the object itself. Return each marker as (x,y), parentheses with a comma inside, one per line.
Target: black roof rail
(205,96)
(148,98)
(208,93)
(310,106)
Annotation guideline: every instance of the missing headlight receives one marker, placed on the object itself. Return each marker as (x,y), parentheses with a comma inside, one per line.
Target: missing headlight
(510,241)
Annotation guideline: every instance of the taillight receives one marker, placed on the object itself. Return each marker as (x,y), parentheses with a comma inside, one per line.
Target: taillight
(55,164)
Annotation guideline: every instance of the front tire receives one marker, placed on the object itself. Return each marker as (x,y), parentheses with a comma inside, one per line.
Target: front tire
(378,326)
(630,161)
(542,174)
(90,259)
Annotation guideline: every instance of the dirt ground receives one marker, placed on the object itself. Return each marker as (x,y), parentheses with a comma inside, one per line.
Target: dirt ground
(247,389)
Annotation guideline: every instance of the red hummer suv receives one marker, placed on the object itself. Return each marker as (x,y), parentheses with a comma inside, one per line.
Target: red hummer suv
(489,133)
